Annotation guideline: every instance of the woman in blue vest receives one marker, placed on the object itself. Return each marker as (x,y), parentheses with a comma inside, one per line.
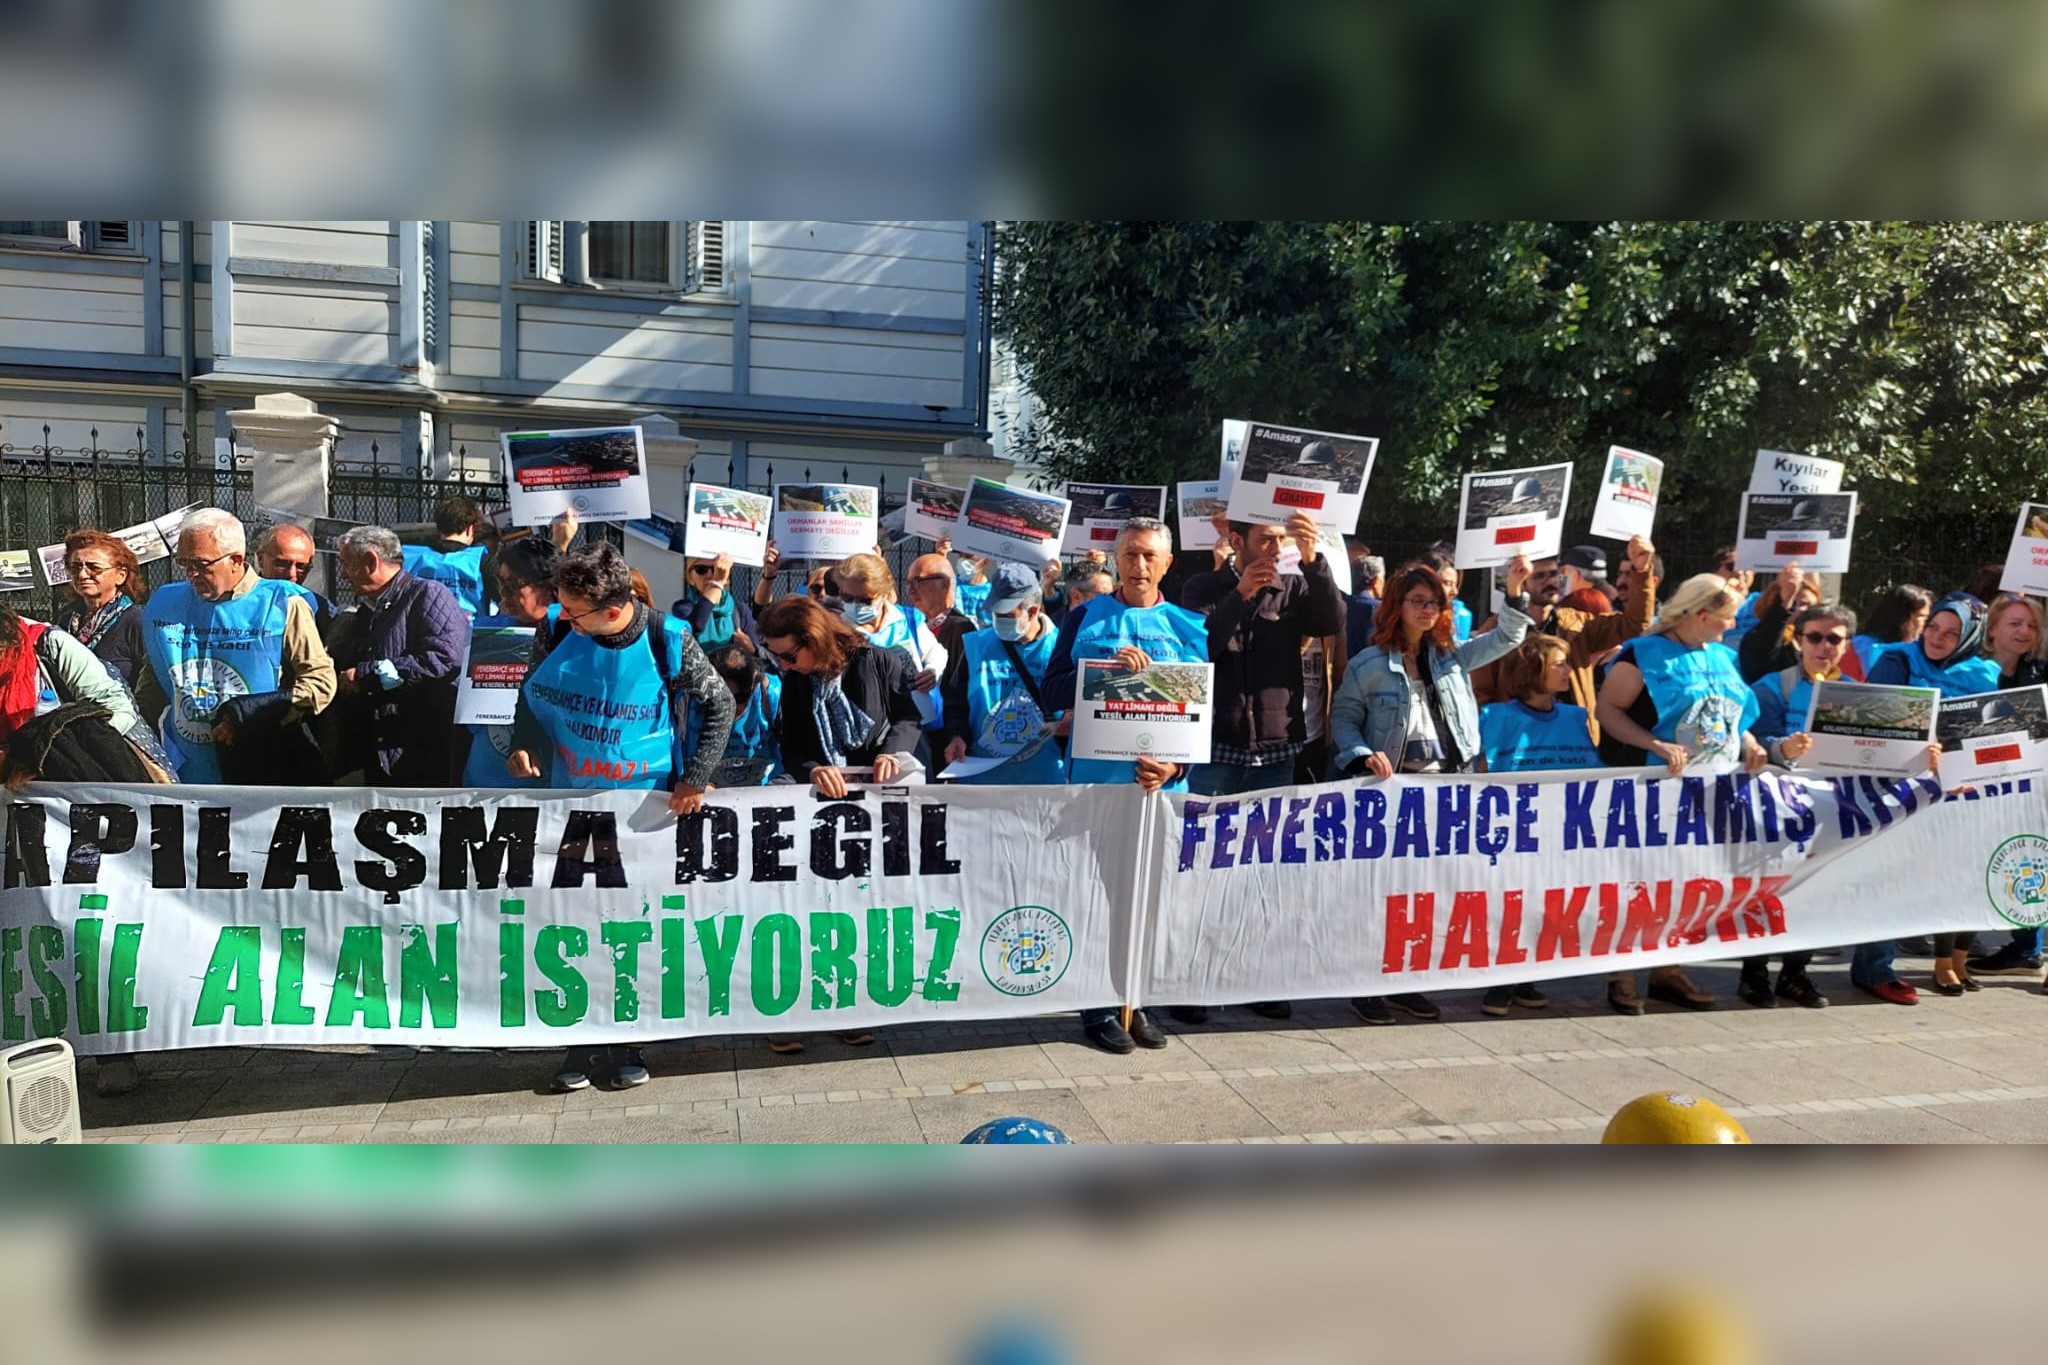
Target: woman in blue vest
(1675,697)
(753,753)
(1898,618)
(1406,703)
(602,707)
(1949,657)
(997,706)
(1783,698)
(1533,732)
(2013,632)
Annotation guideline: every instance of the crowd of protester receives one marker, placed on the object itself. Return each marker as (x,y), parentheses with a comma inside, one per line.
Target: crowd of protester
(238,672)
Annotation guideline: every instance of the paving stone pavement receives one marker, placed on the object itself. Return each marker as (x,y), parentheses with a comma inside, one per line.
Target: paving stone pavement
(1972,1069)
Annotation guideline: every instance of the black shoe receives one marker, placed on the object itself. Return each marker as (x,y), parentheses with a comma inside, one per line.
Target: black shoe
(1272,1009)
(1756,990)
(1109,1035)
(1917,946)
(1189,1014)
(1144,1032)
(1529,997)
(1419,1005)
(1970,984)
(1373,1009)
(2011,960)
(1496,1002)
(1801,991)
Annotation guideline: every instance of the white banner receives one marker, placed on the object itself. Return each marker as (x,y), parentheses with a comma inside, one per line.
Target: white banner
(138,918)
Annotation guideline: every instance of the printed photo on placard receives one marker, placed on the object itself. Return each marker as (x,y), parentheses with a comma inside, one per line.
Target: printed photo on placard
(1235,429)
(17,571)
(167,526)
(1198,503)
(1511,512)
(2026,562)
(1093,506)
(1011,523)
(932,509)
(51,560)
(727,521)
(824,520)
(328,531)
(1159,712)
(1777,471)
(1626,504)
(1812,530)
(662,532)
(1993,735)
(599,473)
(1863,728)
(1289,469)
(145,540)
(487,693)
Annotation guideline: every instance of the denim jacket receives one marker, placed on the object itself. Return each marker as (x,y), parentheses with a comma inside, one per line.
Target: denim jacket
(1370,712)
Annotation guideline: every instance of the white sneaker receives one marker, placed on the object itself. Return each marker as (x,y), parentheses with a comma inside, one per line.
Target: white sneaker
(570,1078)
(116,1076)
(630,1071)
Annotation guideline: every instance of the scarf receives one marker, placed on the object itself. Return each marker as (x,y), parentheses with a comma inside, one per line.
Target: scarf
(842,726)
(87,629)
(1970,637)
(20,680)
(719,629)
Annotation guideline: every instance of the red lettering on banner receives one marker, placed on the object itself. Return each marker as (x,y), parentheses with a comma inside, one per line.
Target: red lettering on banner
(1561,912)
(1649,910)
(1767,901)
(1696,908)
(1297,497)
(1997,753)
(1514,535)
(1511,950)
(1796,547)
(1610,915)
(1465,937)
(1409,932)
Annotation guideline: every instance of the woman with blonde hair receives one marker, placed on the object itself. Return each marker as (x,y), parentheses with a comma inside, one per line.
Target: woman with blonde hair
(868,602)
(1675,696)
(2013,634)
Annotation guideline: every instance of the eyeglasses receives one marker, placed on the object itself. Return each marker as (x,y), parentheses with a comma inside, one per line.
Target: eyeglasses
(81,569)
(1814,637)
(594,611)
(190,567)
(930,578)
(703,568)
(785,657)
(1432,604)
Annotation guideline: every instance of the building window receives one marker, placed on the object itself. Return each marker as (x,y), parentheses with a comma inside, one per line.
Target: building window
(683,256)
(57,234)
(631,252)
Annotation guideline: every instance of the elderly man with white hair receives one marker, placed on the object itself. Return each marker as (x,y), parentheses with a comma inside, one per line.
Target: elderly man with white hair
(241,660)
(399,669)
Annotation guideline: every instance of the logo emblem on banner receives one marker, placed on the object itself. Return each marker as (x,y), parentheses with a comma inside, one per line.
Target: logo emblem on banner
(2017,880)
(1026,950)
(201,685)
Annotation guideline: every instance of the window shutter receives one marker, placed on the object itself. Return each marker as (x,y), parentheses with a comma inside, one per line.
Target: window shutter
(707,255)
(112,236)
(430,315)
(544,250)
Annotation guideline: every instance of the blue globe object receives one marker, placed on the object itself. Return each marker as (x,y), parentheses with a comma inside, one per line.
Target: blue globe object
(1016,1132)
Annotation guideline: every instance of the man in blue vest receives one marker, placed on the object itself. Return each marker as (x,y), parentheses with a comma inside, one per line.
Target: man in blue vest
(995,704)
(456,560)
(287,552)
(522,579)
(241,661)
(1136,626)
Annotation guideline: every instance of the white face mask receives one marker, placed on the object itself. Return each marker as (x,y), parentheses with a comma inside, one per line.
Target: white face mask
(1012,627)
(861,613)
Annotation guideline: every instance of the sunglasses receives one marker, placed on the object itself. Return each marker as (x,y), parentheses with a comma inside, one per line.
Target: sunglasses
(786,657)
(81,569)
(1814,637)
(700,569)
(929,578)
(193,566)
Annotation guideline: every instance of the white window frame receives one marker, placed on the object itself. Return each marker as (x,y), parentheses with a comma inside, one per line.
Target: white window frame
(685,252)
(83,237)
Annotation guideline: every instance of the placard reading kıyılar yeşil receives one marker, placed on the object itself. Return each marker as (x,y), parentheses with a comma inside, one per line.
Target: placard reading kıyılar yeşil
(1993,735)
(1865,728)
(598,473)
(1812,530)
(492,671)
(1511,512)
(1158,712)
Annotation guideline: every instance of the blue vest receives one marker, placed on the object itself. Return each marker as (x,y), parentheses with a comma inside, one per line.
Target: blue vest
(1167,633)
(1798,701)
(459,571)
(1965,679)
(1867,648)
(486,769)
(1745,622)
(899,630)
(205,652)
(753,751)
(1520,739)
(971,601)
(1703,705)
(605,711)
(1004,719)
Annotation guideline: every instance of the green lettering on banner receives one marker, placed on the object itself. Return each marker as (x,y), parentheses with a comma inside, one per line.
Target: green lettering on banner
(512,967)
(123,1014)
(938,983)
(233,977)
(12,1026)
(777,962)
(85,966)
(624,938)
(892,961)
(359,980)
(290,1006)
(47,1015)
(675,942)
(570,1000)
(832,972)
(719,953)
(427,974)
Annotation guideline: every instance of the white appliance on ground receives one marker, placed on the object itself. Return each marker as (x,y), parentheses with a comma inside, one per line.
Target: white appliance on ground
(39,1093)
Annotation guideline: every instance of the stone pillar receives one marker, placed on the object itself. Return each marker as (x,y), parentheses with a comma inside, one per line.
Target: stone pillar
(669,454)
(965,460)
(293,445)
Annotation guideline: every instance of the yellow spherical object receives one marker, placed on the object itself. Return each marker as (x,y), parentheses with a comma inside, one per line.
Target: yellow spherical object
(1670,1116)
(1669,1328)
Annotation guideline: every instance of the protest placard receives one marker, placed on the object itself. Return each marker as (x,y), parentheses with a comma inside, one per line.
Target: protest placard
(1289,469)
(1626,504)
(1198,503)
(1866,728)
(17,571)
(1159,712)
(658,529)
(599,473)
(728,521)
(824,520)
(2026,562)
(1235,429)
(487,693)
(1993,735)
(932,509)
(1776,471)
(1011,523)
(1097,511)
(1812,530)
(1511,512)
(51,558)
(145,540)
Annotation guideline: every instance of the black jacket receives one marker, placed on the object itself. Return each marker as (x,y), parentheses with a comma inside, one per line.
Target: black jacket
(877,682)
(1256,647)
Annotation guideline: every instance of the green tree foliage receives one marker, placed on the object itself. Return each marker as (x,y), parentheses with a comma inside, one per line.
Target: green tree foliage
(1914,352)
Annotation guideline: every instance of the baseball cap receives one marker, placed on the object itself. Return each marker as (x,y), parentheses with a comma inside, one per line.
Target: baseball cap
(1590,560)
(1012,586)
